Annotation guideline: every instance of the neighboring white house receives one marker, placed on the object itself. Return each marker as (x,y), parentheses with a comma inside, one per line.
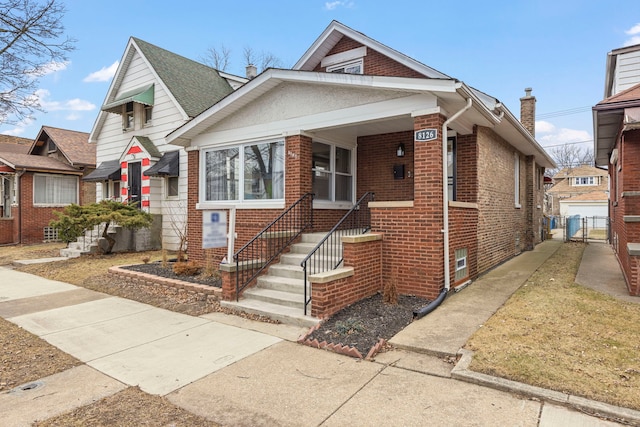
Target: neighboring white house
(153,92)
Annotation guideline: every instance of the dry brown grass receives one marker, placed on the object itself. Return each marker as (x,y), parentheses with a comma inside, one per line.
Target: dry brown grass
(130,407)
(77,270)
(15,252)
(555,334)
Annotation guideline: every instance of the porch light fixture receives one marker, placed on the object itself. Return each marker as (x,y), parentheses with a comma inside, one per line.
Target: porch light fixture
(400,150)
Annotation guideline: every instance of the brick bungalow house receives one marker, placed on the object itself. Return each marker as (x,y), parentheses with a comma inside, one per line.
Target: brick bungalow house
(41,179)
(457,179)
(152,92)
(616,125)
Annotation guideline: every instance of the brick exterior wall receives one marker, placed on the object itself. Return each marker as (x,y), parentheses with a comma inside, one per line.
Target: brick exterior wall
(376,158)
(624,201)
(6,231)
(375,64)
(34,218)
(501,226)
(412,249)
(366,260)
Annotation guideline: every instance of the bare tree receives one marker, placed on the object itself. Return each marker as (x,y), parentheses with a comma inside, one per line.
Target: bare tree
(569,156)
(31,42)
(218,58)
(262,60)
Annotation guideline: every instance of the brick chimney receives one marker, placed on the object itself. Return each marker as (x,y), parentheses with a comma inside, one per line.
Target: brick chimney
(528,112)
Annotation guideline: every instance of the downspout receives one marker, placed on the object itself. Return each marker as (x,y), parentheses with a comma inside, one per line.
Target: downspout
(417,314)
(19,199)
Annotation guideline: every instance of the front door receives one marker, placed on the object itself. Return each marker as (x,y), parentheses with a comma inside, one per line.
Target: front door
(135,183)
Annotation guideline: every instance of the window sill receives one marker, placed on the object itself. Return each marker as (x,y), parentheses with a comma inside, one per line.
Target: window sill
(53,205)
(323,204)
(518,206)
(270,204)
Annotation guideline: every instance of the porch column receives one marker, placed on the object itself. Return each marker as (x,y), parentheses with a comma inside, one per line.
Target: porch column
(298,162)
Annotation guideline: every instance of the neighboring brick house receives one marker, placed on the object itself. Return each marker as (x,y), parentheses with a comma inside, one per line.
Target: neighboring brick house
(616,125)
(577,181)
(42,179)
(152,92)
(458,180)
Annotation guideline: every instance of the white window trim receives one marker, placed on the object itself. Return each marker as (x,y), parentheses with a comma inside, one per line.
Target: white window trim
(33,197)
(357,62)
(344,57)
(516,177)
(242,203)
(341,204)
(576,182)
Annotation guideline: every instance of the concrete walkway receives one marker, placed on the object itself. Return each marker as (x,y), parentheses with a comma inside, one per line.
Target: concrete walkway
(239,372)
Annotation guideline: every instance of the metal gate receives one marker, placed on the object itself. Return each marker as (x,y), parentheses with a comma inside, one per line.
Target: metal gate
(586,229)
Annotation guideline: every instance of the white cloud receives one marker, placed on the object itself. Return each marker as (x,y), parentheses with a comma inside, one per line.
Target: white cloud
(48,68)
(634,32)
(75,104)
(335,4)
(103,75)
(548,134)
(20,128)
(73,116)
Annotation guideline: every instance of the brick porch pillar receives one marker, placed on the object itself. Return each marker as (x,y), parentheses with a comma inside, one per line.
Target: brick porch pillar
(298,163)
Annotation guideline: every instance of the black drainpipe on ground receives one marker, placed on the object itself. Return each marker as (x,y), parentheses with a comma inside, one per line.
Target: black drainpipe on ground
(421,312)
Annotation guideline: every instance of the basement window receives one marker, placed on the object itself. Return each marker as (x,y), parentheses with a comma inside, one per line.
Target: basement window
(462,269)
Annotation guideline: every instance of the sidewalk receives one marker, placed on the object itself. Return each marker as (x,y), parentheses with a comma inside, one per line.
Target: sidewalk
(239,372)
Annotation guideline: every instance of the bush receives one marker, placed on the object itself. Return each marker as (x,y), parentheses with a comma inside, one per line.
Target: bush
(189,268)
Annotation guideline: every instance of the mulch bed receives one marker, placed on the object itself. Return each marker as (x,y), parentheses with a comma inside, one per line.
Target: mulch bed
(364,325)
(156,269)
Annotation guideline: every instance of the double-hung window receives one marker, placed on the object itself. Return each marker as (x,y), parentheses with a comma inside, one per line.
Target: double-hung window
(55,189)
(245,172)
(332,176)
(451,168)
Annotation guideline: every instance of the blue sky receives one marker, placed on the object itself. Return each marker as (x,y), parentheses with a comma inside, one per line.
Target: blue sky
(558,47)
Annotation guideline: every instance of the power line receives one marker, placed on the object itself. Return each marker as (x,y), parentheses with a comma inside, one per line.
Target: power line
(567,143)
(567,112)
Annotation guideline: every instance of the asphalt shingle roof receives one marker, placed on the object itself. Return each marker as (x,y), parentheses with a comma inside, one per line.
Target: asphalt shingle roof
(74,145)
(195,86)
(40,163)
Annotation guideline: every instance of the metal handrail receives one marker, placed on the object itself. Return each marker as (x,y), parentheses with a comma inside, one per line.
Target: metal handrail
(327,255)
(261,250)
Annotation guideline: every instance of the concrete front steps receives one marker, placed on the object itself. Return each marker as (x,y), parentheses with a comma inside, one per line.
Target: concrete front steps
(279,294)
(87,244)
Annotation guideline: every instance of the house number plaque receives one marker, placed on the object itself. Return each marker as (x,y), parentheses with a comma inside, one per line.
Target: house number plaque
(426,135)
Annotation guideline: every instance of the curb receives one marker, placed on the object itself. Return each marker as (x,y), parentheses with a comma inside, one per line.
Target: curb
(461,372)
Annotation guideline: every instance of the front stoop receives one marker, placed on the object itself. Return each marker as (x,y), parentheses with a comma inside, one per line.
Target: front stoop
(280,293)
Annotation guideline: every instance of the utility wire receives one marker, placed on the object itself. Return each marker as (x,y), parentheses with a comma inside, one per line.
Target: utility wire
(567,112)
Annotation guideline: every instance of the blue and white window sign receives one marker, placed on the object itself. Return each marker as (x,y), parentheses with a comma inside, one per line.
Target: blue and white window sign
(426,135)
(214,229)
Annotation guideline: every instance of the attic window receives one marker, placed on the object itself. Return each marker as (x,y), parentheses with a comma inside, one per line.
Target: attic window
(51,146)
(127,116)
(584,180)
(354,67)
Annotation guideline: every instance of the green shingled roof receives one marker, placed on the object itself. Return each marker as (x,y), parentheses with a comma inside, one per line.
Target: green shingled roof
(195,86)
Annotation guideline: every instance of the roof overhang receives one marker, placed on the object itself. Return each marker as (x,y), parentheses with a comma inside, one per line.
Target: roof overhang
(609,119)
(274,77)
(142,95)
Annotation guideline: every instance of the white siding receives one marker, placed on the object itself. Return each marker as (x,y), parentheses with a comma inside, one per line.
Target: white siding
(112,141)
(627,73)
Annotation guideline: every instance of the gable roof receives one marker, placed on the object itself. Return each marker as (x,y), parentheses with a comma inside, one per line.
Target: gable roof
(194,86)
(486,110)
(336,30)
(191,85)
(582,170)
(36,163)
(73,145)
